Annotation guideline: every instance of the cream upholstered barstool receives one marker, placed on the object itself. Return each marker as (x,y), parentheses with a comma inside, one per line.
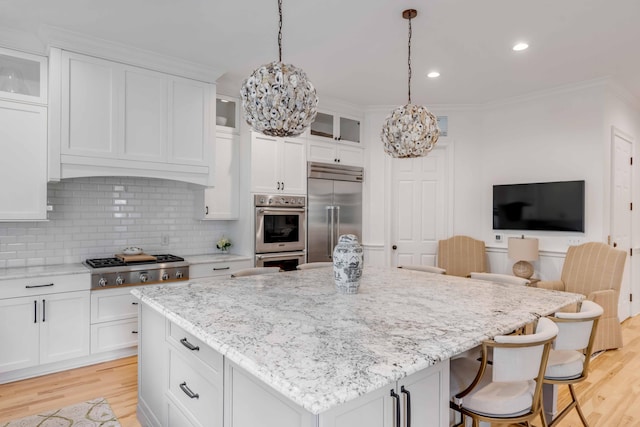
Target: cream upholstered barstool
(510,389)
(255,271)
(460,255)
(501,278)
(310,265)
(569,359)
(425,268)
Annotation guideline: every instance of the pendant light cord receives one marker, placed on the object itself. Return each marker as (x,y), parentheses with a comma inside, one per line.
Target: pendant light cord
(280,31)
(409,60)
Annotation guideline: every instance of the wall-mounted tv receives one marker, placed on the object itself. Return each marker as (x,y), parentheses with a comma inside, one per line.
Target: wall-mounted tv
(550,206)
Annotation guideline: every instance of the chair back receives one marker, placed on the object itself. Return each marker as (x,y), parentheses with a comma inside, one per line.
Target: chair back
(460,255)
(310,265)
(425,268)
(593,266)
(255,271)
(576,331)
(523,357)
(500,278)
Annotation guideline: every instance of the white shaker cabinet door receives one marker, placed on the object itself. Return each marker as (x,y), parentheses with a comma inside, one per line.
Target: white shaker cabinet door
(145,106)
(19,332)
(91,94)
(23,161)
(191,141)
(222,201)
(294,166)
(64,326)
(265,169)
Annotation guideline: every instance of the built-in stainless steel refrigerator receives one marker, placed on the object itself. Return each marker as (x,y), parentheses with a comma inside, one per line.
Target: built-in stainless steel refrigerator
(334,207)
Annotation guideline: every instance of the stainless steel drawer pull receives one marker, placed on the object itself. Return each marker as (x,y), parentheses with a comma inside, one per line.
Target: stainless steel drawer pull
(189,345)
(38,286)
(188,392)
(220,268)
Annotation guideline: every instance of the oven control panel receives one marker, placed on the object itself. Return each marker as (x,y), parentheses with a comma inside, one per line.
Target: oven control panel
(264,200)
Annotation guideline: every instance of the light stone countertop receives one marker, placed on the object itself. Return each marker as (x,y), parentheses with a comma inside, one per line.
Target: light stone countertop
(42,271)
(320,348)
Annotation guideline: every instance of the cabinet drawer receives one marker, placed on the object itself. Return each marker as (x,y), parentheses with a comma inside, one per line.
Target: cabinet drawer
(195,388)
(184,341)
(113,304)
(14,288)
(176,417)
(114,335)
(217,268)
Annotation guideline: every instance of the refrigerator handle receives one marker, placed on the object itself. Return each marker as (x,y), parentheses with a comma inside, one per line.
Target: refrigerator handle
(337,219)
(332,211)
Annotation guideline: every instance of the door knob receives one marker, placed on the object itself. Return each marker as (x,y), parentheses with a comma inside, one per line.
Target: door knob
(394,247)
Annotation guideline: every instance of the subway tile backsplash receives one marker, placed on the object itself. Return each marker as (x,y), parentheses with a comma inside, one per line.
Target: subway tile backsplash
(98,217)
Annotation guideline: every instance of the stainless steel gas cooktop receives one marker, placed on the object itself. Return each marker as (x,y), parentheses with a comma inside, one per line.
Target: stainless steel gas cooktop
(118,271)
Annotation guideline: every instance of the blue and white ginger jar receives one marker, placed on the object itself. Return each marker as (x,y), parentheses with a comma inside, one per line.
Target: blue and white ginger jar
(347,264)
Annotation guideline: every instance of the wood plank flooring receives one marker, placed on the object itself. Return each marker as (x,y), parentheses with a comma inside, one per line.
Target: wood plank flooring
(610,397)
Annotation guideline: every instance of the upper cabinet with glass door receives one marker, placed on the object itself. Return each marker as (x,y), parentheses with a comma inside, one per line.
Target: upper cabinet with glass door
(336,126)
(23,77)
(227,114)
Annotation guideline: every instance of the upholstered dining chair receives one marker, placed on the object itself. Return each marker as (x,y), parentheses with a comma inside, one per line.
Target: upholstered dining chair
(309,265)
(500,278)
(510,389)
(569,358)
(595,270)
(425,268)
(255,271)
(460,255)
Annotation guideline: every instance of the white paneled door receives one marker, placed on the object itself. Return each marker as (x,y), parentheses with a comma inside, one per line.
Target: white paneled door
(622,152)
(419,207)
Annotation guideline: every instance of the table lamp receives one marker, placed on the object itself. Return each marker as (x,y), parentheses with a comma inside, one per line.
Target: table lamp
(523,250)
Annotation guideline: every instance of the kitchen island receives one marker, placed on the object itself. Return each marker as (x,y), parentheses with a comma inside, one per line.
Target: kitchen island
(291,337)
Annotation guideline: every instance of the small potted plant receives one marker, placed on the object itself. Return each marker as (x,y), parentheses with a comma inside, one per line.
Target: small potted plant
(223,244)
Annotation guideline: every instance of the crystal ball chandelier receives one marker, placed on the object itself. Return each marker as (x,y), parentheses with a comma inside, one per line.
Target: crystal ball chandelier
(278,99)
(410,130)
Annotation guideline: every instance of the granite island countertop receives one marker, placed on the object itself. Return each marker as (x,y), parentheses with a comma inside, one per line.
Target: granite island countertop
(320,348)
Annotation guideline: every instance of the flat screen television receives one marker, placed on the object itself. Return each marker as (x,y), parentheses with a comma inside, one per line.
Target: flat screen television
(550,206)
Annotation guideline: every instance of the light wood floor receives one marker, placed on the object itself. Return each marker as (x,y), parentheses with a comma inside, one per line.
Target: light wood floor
(610,397)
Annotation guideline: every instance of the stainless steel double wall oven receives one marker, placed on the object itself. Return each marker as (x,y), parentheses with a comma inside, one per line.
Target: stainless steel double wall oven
(281,235)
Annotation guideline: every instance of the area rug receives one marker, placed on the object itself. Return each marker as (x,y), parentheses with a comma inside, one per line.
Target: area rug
(93,413)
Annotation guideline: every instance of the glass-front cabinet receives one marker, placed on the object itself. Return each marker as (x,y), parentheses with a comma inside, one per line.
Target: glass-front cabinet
(336,126)
(23,76)
(227,114)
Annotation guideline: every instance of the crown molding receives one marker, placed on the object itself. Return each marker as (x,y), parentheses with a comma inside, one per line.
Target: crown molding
(21,40)
(55,37)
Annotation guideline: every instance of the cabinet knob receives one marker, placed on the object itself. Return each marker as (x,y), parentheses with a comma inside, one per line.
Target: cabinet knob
(394,247)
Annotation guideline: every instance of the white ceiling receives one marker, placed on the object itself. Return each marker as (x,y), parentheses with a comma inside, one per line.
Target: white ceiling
(356,50)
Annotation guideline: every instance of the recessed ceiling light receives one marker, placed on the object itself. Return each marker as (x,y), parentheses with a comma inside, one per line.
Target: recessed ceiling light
(520,46)
(433,74)
(224,100)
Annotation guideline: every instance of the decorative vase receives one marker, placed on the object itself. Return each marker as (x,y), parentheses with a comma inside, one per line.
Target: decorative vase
(347,264)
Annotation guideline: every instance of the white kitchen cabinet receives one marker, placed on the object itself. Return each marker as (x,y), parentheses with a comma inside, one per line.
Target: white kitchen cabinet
(278,165)
(118,119)
(335,152)
(152,368)
(227,114)
(114,320)
(249,402)
(23,77)
(222,201)
(40,329)
(336,126)
(423,401)
(23,163)
(218,268)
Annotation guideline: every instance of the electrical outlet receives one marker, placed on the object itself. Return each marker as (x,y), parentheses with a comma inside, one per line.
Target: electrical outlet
(164,240)
(574,241)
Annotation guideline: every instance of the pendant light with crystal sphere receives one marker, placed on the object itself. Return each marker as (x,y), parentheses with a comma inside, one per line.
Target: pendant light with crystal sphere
(277,98)
(410,130)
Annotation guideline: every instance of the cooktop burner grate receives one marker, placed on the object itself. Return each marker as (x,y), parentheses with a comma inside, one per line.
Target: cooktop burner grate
(117,262)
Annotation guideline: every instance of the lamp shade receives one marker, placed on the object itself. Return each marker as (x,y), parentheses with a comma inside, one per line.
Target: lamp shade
(523,249)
